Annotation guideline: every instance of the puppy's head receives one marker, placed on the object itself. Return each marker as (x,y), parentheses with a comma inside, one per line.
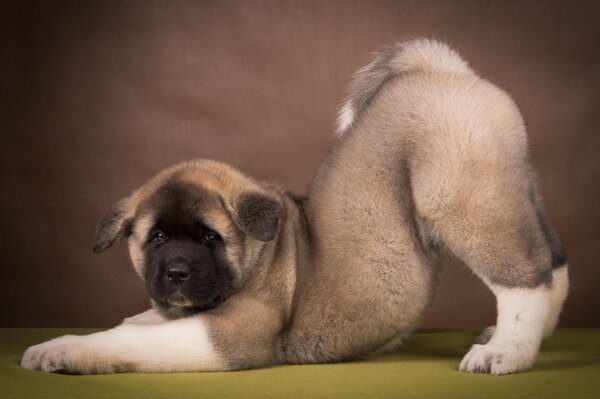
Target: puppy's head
(196,232)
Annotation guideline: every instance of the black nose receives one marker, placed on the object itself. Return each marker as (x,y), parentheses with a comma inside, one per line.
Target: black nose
(177,273)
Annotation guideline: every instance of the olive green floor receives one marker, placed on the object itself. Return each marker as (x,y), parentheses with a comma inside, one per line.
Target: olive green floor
(568,367)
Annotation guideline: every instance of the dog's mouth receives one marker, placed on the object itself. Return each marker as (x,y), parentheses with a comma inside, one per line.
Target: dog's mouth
(179,299)
(196,293)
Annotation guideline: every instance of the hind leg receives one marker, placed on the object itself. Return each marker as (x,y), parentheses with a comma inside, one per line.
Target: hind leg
(513,347)
(514,262)
(560,276)
(496,231)
(560,289)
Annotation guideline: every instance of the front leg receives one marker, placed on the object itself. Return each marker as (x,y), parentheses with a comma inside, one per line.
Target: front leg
(173,346)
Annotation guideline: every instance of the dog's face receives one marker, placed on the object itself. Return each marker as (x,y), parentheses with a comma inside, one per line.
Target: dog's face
(185,262)
(195,233)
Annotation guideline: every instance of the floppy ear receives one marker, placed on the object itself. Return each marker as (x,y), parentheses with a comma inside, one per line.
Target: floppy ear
(113,226)
(257,215)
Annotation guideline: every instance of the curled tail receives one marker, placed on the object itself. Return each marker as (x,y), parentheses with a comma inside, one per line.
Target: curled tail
(417,54)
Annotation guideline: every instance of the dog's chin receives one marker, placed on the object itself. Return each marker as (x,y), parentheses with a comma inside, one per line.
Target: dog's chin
(183,303)
(179,301)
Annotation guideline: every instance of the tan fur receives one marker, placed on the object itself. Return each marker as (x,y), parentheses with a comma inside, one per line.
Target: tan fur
(432,161)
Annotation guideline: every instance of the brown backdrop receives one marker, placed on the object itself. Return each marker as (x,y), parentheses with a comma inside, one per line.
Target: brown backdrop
(99,96)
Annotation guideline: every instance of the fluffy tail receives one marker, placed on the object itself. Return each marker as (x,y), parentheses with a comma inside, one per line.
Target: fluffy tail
(423,54)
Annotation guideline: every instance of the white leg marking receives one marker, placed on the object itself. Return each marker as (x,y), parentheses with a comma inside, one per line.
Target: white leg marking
(560,289)
(177,345)
(345,118)
(515,343)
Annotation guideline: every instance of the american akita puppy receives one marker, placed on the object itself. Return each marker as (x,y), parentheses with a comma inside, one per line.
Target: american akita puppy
(431,161)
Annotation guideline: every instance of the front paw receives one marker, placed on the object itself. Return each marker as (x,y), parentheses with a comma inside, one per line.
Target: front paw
(54,356)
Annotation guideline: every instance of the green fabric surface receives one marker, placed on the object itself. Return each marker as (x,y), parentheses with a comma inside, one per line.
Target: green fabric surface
(568,367)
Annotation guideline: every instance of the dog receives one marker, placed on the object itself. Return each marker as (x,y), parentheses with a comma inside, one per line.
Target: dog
(431,162)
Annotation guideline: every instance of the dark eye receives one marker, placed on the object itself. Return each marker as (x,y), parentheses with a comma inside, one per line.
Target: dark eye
(210,235)
(159,237)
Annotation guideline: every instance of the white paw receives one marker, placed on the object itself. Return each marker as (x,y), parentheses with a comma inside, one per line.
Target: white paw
(53,356)
(497,360)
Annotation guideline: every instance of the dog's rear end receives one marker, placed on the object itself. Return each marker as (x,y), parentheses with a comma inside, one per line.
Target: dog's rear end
(472,186)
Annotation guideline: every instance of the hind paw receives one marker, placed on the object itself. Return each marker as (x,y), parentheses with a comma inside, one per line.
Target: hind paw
(497,360)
